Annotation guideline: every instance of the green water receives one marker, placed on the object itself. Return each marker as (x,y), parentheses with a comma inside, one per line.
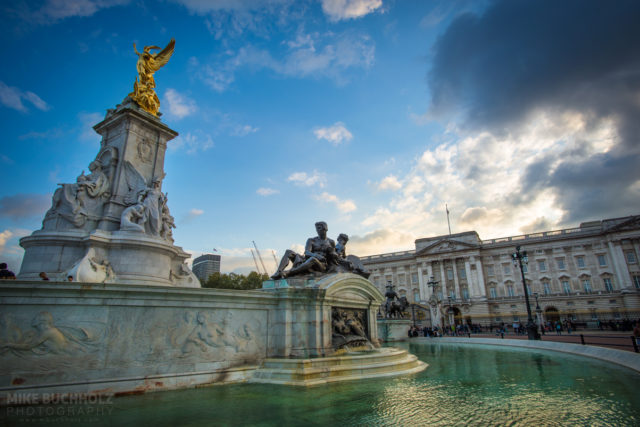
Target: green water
(463,385)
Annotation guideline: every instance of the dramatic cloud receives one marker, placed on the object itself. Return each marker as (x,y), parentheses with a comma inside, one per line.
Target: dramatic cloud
(349,9)
(179,105)
(12,97)
(192,143)
(307,180)
(344,206)
(23,206)
(263,191)
(530,60)
(334,134)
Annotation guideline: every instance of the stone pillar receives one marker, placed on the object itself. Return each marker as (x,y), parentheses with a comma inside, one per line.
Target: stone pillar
(456,282)
(424,292)
(471,284)
(482,290)
(622,279)
(443,277)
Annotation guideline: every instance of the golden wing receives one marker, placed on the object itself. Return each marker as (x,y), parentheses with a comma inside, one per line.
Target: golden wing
(161,58)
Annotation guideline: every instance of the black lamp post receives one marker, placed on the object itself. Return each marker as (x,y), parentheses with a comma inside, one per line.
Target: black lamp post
(518,258)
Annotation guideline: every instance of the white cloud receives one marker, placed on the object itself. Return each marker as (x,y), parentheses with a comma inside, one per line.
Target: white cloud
(389,182)
(56,10)
(264,191)
(344,206)
(179,105)
(315,55)
(4,236)
(335,134)
(349,9)
(12,97)
(192,143)
(243,130)
(483,178)
(308,180)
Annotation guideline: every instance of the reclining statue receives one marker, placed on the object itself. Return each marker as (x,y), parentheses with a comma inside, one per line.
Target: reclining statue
(321,256)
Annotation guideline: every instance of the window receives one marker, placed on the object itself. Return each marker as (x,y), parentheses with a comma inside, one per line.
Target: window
(528,290)
(636,281)
(602,261)
(516,318)
(547,288)
(591,302)
(569,302)
(560,263)
(506,269)
(463,273)
(510,291)
(490,270)
(566,287)
(586,285)
(631,257)
(525,268)
(416,295)
(450,273)
(401,279)
(613,301)
(452,294)
(580,261)
(465,294)
(594,316)
(607,284)
(414,278)
(492,292)
(498,319)
(514,306)
(542,265)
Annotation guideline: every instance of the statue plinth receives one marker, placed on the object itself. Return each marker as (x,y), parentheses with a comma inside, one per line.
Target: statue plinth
(114,224)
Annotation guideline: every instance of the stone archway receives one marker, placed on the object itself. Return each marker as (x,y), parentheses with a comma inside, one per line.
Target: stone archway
(551,314)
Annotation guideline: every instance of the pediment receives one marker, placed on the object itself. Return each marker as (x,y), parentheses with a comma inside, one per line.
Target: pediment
(446,245)
(632,223)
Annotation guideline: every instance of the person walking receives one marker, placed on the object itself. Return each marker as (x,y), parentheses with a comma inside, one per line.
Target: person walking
(558,328)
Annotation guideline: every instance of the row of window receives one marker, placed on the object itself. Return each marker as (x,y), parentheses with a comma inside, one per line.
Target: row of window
(566,287)
(560,264)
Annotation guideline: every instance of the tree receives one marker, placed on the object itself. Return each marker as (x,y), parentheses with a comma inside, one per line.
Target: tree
(235,281)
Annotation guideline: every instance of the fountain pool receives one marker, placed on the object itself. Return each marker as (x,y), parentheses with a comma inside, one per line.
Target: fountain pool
(463,385)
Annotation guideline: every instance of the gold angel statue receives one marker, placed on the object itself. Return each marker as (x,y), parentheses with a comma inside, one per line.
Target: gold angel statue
(148,63)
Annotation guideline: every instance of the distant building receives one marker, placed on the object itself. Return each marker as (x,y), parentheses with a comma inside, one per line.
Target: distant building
(586,274)
(205,265)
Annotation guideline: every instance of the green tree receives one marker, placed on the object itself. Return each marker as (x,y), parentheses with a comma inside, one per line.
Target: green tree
(235,281)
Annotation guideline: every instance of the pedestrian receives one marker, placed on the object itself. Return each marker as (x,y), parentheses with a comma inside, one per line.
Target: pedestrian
(558,328)
(43,275)
(636,332)
(70,278)
(5,273)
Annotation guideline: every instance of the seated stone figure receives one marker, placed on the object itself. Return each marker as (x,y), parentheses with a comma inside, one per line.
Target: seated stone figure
(318,252)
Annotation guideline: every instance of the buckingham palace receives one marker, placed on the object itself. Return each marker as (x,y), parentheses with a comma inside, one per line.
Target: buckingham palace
(589,274)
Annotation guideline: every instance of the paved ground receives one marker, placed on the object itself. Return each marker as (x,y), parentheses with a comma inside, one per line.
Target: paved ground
(609,339)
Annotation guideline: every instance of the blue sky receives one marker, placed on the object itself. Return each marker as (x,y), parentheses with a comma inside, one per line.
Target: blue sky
(367,114)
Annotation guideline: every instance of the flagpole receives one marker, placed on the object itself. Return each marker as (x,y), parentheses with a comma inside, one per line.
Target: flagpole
(448,223)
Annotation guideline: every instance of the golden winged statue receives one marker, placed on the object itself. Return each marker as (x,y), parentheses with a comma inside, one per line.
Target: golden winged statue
(148,63)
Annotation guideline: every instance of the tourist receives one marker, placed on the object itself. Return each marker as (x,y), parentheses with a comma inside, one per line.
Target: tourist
(5,273)
(558,328)
(636,332)
(43,275)
(70,278)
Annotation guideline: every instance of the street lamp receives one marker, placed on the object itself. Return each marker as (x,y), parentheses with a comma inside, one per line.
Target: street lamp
(518,258)
(539,313)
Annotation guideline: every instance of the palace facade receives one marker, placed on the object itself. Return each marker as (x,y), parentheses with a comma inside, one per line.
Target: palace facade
(587,274)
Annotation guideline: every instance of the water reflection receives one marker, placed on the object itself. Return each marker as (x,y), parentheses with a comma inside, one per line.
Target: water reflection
(463,385)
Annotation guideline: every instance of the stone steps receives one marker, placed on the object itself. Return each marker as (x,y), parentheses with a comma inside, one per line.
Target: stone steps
(305,372)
